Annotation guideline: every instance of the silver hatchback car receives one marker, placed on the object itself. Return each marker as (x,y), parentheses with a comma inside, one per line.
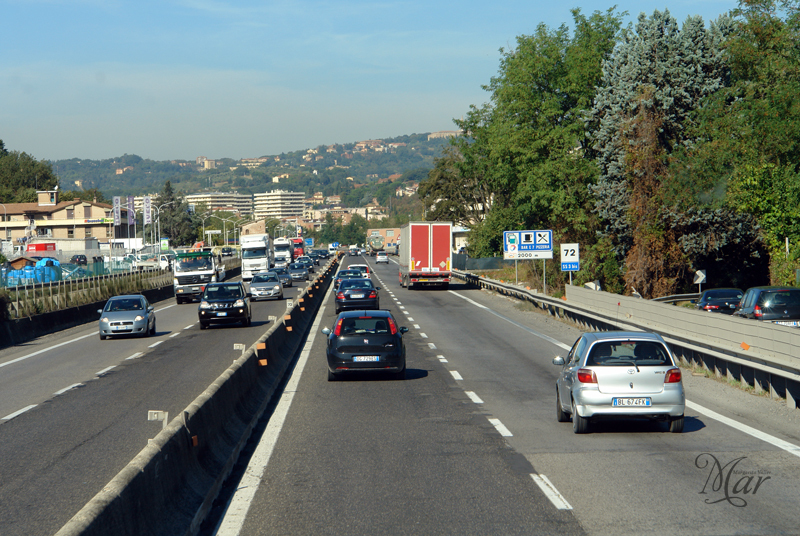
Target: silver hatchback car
(619,374)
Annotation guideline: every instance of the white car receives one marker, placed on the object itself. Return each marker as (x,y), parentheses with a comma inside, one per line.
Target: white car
(381,256)
(363,267)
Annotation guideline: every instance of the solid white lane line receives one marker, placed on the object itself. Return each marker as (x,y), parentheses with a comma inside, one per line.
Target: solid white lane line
(18,413)
(551,492)
(475,398)
(155,344)
(134,356)
(65,389)
(101,372)
(498,315)
(236,511)
(500,427)
(49,348)
(456,375)
(758,434)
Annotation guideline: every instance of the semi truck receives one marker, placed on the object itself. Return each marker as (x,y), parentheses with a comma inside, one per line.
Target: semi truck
(283,248)
(425,254)
(193,271)
(375,243)
(257,254)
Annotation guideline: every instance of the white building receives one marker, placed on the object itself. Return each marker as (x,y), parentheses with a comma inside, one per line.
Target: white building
(215,201)
(278,204)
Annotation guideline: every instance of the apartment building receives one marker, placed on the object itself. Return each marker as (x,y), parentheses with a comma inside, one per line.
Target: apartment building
(242,204)
(51,218)
(278,204)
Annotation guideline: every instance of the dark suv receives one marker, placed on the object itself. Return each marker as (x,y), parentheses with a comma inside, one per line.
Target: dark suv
(780,305)
(224,303)
(79,259)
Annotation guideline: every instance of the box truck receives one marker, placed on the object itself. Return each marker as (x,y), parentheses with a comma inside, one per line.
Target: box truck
(283,252)
(425,254)
(256,254)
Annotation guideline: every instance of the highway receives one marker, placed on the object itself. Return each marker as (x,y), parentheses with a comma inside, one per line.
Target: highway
(467,444)
(73,409)
(462,445)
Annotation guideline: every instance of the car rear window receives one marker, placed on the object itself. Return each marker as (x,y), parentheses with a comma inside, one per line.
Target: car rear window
(780,298)
(264,278)
(723,295)
(364,325)
(355,283)
(626,353)
(223,292)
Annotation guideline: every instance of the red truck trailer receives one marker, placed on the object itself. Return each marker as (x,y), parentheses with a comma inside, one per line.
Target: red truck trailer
(298,249)
(425,254)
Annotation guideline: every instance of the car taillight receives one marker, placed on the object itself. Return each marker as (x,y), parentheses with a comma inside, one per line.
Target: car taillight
(392,326)
(673,376)
(338,329)
(757,312)
(373,294)
(586,376)
(340,295)
(710,307)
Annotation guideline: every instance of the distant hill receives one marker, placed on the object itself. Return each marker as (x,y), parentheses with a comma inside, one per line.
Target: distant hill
(351,170)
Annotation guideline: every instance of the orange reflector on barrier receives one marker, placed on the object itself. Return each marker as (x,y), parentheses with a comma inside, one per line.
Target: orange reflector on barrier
(194,441)
(262,362)
(261,346)
(287,317)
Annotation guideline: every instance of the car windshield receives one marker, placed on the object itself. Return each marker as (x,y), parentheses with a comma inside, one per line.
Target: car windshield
(126,304)
(296,266)
(345,273)
(627,353)
(279,271)
(265,279)
(222,292)
(364,325)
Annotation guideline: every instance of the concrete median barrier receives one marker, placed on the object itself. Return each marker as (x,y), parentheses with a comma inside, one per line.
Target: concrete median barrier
(170,486)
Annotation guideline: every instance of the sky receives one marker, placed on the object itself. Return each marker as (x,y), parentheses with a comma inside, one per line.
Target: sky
(177,79)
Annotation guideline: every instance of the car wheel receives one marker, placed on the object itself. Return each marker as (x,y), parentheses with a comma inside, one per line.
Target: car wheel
(102,337)
(331,376)
(580,425)
(676,424)
(401,375)
(178,301)
(153,331)
(561,415)
(203,325)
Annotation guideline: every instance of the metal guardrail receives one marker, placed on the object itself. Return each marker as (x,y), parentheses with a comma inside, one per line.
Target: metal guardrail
(776,373)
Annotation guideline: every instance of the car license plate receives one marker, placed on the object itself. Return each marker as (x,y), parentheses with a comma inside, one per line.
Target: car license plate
(118,328)
(793,324)
(356,296)
(222,314)
(366,358)
(631,402)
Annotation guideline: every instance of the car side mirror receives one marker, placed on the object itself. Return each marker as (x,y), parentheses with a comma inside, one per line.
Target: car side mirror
(151,308)
(377,288)
(558,360)
(99,311)
(326,331)
(403,330)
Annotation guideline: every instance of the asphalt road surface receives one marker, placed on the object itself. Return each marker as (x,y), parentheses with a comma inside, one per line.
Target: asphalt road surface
(469,442)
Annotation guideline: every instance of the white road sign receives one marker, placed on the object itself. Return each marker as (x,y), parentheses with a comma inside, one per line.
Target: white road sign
(570,258)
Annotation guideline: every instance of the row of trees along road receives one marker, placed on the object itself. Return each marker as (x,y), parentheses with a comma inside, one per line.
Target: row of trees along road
(662,148)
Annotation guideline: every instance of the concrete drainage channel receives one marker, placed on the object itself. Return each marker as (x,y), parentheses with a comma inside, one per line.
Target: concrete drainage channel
(170,486)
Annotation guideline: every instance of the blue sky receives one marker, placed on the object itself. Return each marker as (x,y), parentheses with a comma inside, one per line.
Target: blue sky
(176,79)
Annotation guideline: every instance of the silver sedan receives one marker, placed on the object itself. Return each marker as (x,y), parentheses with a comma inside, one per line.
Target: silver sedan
(619,374)
(266,285)
(127,315)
